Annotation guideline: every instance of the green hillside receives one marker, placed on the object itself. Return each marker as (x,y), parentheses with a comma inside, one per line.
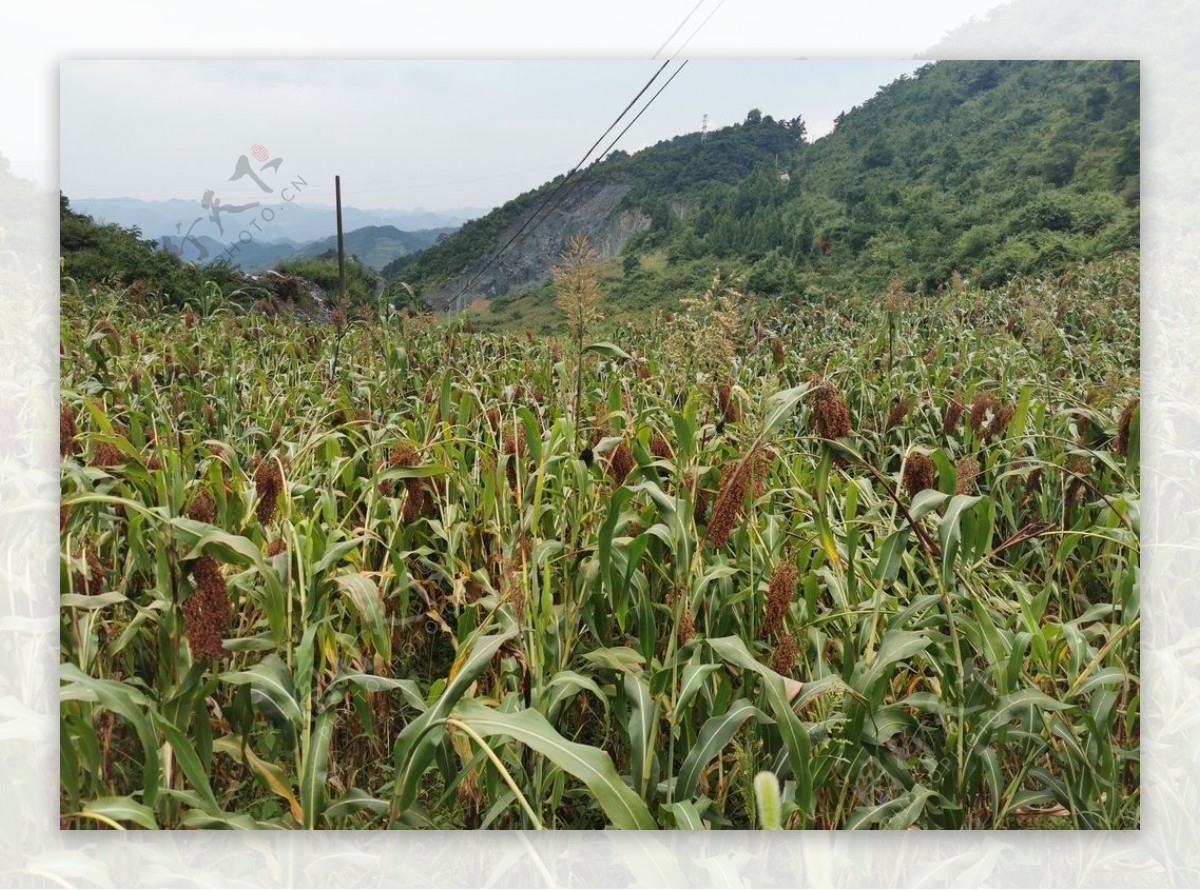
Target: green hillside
(106,256)
(988,169)
(111,256)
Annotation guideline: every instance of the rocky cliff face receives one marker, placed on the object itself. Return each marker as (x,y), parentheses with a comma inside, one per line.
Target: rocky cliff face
(588,207)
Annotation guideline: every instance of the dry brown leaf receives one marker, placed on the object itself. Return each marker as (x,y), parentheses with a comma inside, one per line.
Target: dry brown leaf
(1033,812)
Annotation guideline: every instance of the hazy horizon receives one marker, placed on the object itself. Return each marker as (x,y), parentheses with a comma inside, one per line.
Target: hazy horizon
(430,135)
(309,204)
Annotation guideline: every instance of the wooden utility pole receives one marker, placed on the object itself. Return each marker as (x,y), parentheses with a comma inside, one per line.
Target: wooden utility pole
(337,187)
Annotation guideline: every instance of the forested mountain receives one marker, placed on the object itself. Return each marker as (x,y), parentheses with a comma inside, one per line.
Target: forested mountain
(990,169)
(99,255)
(376,246)
(96,256)
(289,220)
(252,256)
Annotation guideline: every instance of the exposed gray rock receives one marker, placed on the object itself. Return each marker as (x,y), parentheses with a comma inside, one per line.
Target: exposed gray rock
(588,207)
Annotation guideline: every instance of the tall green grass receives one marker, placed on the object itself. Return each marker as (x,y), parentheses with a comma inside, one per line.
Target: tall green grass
(444,612)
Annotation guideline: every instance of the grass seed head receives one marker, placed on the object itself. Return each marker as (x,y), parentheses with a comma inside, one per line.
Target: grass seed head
(92,583)
(778,352)
(918,473)
(576,284)
(1033,482)
(980,406)
(702,498)
(66,431)
(1121,441)
(727,404)
(760,469)
(731,496)
(402,456)
(783,660)
(405,455)
(105,455)
(1089,435)
(415,502)
(965,471)
(830,415)
(660,447)
(208,611)
(202,508)
(1000,420)
(621,463)
(514,440)
(268,482)
(779,596)
(952,415)
(1078,469)
(511,584)
(687,626)
(514,447)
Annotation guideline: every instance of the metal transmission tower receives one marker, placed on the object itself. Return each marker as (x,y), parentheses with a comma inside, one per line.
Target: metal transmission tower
(704,128)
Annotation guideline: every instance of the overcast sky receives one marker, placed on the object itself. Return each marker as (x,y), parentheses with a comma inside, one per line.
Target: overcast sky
(404,134)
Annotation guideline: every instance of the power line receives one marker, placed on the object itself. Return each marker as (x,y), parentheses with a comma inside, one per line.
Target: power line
(700,27)
(644,108)
(618,139)
(575,185)
(678,28)
(496,256)
(624,112)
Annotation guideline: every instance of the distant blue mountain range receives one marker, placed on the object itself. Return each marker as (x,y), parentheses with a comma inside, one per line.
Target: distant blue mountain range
(255,238)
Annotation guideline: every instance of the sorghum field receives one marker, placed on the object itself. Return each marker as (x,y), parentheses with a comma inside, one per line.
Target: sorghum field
(392,573)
